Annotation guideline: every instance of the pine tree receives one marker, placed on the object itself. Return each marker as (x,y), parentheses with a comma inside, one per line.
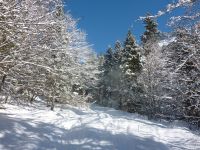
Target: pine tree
(151,28)
(150,35)
(118,53)
(131,67)
(109,61)
(131,57)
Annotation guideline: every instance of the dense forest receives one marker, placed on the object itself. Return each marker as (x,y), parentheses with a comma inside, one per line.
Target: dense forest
(159,76)
(44,55)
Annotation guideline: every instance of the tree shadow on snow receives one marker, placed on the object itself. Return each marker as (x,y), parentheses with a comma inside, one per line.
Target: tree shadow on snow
(26,134)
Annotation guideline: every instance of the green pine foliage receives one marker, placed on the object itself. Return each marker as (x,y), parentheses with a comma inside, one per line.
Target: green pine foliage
(119,87)
(159,78)
(131,57)
(151,29)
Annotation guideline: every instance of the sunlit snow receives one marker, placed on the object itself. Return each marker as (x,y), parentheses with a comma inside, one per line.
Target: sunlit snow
(94,128)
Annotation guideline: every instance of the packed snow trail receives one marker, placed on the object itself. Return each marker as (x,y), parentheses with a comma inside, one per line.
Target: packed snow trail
(94,128)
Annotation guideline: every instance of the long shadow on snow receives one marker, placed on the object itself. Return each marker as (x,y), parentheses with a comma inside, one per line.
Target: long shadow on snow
(23,134)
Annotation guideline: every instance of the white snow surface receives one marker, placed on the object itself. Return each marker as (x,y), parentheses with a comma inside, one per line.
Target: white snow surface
(93,128)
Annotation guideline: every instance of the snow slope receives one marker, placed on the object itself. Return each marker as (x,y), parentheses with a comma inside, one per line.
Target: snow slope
(94,128)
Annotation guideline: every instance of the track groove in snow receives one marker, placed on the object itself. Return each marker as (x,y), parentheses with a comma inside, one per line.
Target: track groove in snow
(95,128)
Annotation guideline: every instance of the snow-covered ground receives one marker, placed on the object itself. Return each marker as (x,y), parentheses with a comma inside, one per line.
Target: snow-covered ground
(94,128)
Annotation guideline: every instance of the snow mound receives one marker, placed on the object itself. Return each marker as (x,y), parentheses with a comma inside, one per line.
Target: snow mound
(94,128)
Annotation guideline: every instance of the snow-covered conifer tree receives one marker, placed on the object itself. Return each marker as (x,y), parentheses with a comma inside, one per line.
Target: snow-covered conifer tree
(131,67)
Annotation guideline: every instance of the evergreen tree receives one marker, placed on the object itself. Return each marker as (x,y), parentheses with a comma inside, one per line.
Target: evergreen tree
(108,61)
(150,35)
(131,67)
(118,51)
(117,76)
(151,28)
(105,83)
(131,63)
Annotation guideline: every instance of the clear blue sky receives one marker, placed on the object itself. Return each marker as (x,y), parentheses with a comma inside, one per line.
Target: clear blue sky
(106,21)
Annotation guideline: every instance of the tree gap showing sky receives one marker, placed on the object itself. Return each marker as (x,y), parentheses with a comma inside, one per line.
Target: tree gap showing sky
(106,21)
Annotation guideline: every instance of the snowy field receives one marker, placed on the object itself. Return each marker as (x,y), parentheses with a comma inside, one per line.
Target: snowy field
(94,128)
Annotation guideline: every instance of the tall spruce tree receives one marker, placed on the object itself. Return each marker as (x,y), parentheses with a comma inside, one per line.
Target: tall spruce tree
(150,35)
(118,50)
(131,63)
(131,67)
(151,28)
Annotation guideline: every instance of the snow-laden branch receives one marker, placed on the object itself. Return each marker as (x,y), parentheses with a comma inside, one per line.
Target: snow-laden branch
(169,8)
(184,62)
(30,23)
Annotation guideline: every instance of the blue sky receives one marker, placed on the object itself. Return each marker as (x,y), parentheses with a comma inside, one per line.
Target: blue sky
(106,21)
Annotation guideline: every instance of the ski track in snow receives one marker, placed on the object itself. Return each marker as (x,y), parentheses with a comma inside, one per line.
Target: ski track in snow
(94,128)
